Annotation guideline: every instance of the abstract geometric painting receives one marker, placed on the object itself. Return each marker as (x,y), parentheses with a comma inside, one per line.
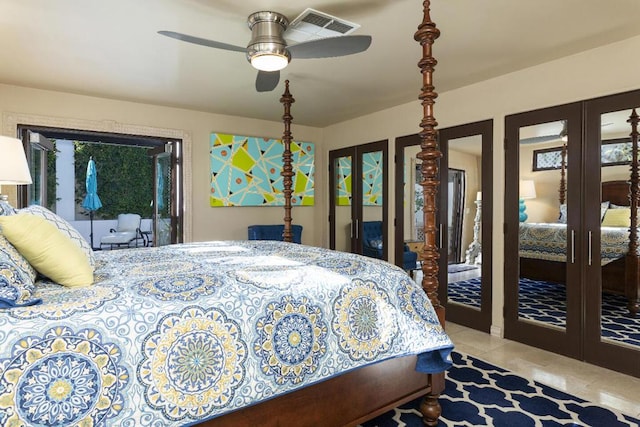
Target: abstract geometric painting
(245,171)
(372,170)
(343,181)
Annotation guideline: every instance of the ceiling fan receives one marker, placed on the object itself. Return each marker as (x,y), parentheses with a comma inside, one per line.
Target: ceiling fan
(562,135)
(268,51)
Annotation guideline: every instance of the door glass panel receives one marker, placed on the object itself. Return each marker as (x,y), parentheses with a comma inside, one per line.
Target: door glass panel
(343,198)
(35,191)
(372,168)
(617,327)
(42,166)
(464,204)
(543,224)
(162,201)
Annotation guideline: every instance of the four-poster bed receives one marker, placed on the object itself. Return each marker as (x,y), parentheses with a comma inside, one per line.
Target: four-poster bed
(543,246)
(163,330)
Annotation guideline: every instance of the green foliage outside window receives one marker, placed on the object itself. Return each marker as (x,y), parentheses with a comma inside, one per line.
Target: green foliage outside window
(51,180)
(125,178)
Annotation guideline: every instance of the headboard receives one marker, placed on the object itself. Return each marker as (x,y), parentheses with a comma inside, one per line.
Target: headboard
(616,192)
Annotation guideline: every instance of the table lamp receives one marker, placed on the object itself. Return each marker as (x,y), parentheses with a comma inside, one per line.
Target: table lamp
(14,169)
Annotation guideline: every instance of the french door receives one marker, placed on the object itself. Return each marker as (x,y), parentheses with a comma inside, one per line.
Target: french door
(526,318)
(47,160)
(466,275)
(612,334)
(359,196)
(166,224)
(574,301)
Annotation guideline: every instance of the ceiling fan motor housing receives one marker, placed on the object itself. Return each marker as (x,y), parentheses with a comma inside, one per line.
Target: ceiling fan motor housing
(267,29)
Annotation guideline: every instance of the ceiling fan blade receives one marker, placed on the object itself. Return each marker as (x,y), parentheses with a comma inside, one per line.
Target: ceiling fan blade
(202,42)
(330,47)
(266,81)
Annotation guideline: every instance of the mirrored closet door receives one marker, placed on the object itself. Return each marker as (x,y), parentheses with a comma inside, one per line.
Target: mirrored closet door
(571,214)
(612,279)
(543,228)
(358,212)
(465,225)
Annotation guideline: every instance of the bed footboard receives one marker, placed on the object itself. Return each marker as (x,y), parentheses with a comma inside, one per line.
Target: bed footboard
(346,400)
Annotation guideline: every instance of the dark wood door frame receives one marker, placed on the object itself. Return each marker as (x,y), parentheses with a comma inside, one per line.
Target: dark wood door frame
(177,214)
(568,341)
(597,351)
(467,316)
(356,152)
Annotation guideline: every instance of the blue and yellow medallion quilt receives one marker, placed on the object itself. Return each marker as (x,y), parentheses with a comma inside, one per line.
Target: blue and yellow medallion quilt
(180,334)
(548,241)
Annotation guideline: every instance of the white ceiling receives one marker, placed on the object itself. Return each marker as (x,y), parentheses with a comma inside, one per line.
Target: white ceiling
(111,49)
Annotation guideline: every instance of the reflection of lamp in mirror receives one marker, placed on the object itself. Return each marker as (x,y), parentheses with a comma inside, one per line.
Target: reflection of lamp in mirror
(527,191)
(14,169)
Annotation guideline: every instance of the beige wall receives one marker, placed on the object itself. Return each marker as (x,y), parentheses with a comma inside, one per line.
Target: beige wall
(207,223)
(602,71)
(607,70)
(472,166)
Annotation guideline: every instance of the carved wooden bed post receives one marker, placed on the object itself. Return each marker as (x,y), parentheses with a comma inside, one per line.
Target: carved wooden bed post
(563,174)
(287,168)
(426,35)
(632,270)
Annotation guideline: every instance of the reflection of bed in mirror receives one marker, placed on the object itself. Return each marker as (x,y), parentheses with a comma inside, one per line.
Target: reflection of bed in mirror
(543,247)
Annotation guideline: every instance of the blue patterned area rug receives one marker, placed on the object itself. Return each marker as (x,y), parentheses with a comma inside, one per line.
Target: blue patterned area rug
(480,394)
(546,302)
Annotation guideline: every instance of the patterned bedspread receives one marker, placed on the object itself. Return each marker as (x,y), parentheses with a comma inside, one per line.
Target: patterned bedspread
(549,242)
(175,335)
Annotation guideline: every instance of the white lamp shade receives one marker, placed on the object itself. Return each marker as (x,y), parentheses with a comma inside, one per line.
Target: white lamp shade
(527,189)
(14,168)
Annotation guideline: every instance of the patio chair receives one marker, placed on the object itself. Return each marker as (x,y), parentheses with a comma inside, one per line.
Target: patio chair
(127,231)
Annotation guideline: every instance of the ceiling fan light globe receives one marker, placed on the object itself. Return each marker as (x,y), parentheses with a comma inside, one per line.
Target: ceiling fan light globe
(269,62)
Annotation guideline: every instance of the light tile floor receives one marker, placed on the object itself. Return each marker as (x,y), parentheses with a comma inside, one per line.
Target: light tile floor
(593,383)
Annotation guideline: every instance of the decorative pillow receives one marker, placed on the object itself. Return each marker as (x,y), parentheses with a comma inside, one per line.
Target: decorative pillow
(612,206)
(617,218)
(16,277)
(563,212)
(6,208)
(375,243)
(603,210)
(51,253)
(64,226)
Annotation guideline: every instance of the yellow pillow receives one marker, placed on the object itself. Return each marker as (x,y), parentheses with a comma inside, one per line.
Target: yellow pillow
(617,218)
(50,252)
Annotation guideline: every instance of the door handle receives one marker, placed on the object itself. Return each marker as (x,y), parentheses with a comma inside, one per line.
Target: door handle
(357,228)
(573,246)
(590,258)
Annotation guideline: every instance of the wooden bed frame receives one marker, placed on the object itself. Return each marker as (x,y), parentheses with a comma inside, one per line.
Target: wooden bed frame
(621,276)
(365,393)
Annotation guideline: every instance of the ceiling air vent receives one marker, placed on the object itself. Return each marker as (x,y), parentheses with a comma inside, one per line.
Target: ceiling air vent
(312,24)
